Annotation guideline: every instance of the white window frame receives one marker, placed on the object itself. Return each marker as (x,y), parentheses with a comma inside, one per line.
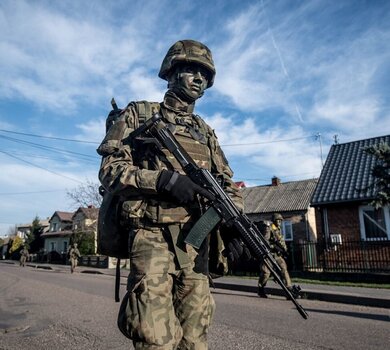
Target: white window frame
(287,226)
(363,229)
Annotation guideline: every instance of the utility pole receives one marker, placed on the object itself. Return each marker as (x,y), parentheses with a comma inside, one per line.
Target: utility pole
(318,137)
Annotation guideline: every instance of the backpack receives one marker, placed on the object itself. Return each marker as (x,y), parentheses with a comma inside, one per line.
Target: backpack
(112,236)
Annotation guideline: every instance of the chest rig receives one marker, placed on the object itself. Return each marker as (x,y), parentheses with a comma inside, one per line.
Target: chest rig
(189,129)
(192,133)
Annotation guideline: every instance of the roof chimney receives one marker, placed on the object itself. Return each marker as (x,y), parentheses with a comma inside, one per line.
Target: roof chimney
(275,181)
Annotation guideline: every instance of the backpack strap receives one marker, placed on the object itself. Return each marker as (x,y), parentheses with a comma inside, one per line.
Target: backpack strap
(145,111)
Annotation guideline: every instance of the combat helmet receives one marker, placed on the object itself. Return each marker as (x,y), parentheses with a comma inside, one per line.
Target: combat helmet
(188,51)
(277,216)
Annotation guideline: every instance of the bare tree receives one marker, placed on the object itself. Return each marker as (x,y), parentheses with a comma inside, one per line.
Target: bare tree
(12,231)
(85,195)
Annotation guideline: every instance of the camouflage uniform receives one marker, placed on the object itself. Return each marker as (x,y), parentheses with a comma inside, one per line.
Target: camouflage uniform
(273,235)
(23,256)
(168,304)
(74,255)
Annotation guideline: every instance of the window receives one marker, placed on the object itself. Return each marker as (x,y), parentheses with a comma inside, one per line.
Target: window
(65,247)
(374,223)
(53,226)
(53,246)
(287,230)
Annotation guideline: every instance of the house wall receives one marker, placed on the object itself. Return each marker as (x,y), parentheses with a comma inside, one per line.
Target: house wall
(82,222)
(59,243)
(343,219)
(60,225)
(311,225)
(303,223)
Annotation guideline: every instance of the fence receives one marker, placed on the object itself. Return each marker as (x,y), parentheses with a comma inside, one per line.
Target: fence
(94,260)
(345,256)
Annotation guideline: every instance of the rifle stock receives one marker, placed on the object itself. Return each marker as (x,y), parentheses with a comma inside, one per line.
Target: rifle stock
(221,207)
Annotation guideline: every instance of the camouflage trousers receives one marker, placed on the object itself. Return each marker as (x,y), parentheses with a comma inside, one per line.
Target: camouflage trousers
(73,264)
(23,261)
(167,306)
(265,272)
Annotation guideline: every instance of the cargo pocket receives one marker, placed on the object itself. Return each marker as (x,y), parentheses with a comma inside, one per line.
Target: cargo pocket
(129,316)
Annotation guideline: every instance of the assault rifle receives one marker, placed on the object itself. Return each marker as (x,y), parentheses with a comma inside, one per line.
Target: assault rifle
(280,249)
(219,209)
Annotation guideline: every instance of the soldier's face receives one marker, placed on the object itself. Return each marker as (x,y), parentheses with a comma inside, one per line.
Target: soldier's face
(191,81)
(278,222)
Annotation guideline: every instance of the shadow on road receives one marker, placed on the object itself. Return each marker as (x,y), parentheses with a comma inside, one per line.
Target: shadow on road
(385,318)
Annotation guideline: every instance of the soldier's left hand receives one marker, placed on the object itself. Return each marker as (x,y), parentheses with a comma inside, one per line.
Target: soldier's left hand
(235,248)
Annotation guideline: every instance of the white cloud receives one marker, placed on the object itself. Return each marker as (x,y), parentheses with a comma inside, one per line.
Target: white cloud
(53,59)
(92,131)
(287,151)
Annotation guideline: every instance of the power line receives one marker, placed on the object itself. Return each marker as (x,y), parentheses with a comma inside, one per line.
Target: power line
(32,192)
(94,142)
(53,157)
(266,142)
(53,149)
(39,167)
(281,176)
(49,137)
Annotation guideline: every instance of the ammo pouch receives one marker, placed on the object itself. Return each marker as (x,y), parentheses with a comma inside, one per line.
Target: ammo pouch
(132,212)
(161,212)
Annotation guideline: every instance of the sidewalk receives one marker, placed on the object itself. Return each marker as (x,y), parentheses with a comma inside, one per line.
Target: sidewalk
(373,297)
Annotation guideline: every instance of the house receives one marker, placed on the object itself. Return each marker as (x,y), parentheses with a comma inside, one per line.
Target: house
(25,229)
(85,221)
(57,238)
(291,199)
(340,200)
(240,184)
(4,248)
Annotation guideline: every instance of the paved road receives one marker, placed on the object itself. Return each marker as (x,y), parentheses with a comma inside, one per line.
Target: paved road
(53,309)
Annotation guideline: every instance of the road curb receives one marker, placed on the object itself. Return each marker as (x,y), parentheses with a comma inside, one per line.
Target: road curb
(308,294)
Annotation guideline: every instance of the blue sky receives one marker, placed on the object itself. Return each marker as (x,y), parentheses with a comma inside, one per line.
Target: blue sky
(286,72)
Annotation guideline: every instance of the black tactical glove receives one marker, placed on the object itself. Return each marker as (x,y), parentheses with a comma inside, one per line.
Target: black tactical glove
(180,187)
(235,249)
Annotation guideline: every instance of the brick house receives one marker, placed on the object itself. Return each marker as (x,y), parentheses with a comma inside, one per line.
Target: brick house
(291,199)
(342,207)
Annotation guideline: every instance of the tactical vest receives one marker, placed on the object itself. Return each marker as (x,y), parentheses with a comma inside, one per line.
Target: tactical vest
(118,214)
(193,134)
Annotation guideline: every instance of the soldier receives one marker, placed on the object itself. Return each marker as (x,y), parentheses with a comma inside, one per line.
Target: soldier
(74,255)
(272,233)
(168,304)
(24,256)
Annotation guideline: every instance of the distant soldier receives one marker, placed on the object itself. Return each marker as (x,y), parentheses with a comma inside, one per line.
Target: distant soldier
(272,233)
(24,256)
(74,255)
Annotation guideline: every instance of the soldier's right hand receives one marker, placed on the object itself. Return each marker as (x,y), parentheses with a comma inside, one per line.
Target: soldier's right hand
(180,187)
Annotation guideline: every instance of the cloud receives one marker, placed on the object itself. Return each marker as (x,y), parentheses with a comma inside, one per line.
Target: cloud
(285,151)
(53,60)
(29,190)
(92,130)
